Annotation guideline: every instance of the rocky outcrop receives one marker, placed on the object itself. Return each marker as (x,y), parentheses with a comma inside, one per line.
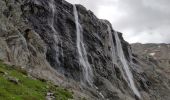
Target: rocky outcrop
(154,59)
(41,36)
(20,45)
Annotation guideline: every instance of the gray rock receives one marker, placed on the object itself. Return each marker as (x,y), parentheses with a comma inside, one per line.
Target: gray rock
(40,36)
(154,59)
(13,80)
(50,96)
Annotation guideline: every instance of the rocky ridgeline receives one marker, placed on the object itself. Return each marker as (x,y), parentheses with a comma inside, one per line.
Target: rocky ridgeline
(155,60)
(56,41)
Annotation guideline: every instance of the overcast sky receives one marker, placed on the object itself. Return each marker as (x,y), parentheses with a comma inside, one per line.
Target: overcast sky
(145,21)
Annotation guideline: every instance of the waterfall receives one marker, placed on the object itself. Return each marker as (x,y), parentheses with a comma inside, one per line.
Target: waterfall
(126,66)
(55,35)
(87,70)
(52,6)
(113,53)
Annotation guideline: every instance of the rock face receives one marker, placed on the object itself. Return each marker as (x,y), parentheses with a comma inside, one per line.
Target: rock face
(54,40)
(155,60)
(19,44)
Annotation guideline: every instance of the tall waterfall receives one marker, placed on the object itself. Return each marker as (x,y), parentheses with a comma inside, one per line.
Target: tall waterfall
(113,52)
(126,66)
(51,24)
(87,70)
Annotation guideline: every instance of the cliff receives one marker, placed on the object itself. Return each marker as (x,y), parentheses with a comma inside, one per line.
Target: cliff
(68,45)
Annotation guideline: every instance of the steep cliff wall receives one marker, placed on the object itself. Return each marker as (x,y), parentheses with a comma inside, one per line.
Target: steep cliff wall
(20,45)
(70,46)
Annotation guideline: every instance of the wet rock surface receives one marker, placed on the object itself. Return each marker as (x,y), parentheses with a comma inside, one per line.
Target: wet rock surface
(60,38)
(40,35)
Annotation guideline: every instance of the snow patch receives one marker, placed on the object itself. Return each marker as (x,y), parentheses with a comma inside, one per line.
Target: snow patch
(152,54)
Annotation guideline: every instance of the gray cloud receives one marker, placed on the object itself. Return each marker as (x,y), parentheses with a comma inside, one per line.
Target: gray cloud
(140,20)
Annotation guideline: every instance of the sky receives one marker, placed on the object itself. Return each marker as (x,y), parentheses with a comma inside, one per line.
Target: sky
(144,21)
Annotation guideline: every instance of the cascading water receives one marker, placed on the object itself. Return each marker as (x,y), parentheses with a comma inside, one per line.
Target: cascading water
(87,70)
(51,24)
(113,53)
(52,6)
(126,66)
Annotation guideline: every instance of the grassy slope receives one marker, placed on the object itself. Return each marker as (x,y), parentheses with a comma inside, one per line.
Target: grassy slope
(27,88)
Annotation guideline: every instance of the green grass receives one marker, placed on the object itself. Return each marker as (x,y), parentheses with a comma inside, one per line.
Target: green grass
(27,88)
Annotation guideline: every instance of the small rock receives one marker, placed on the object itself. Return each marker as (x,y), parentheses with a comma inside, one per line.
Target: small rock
(50,96)
(13,80)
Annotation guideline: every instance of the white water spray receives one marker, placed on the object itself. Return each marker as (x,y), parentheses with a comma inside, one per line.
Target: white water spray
(126,66)
(87,70)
